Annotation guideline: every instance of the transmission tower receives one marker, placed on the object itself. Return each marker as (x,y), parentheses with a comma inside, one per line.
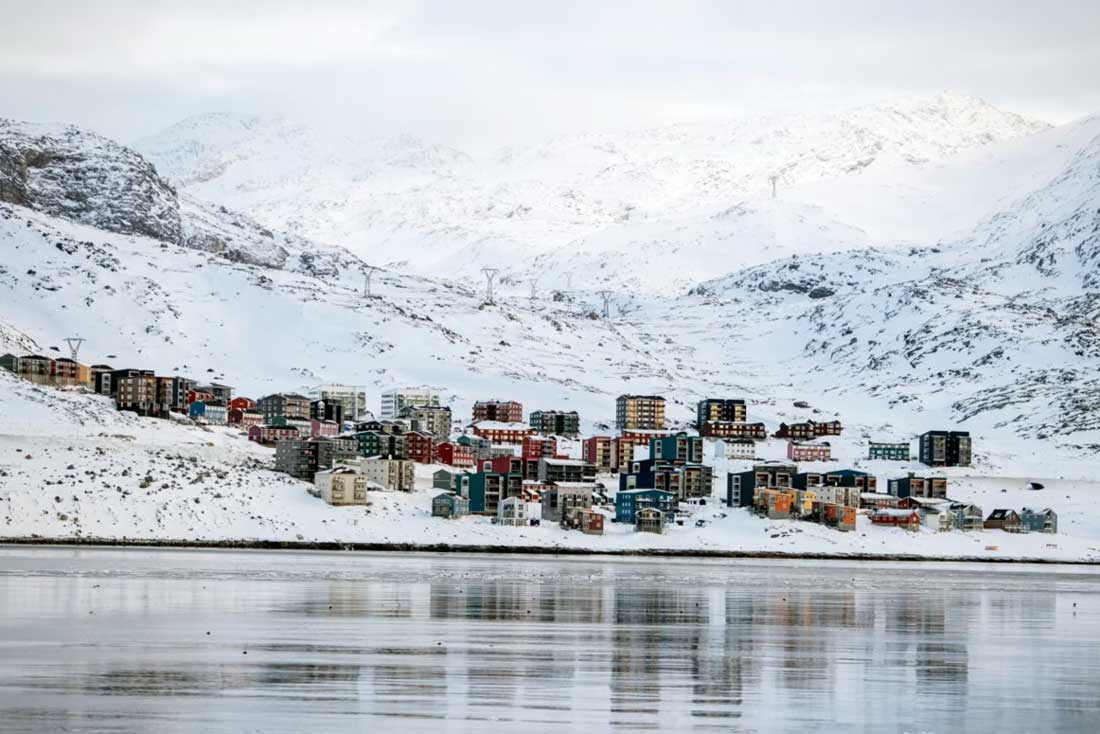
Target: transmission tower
(74,343)
(366,280)
(490,275)
(534,288)
(606,296)
(568,281)
(774,179)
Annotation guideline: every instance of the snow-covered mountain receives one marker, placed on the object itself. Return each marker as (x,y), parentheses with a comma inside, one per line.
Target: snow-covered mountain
(597,207)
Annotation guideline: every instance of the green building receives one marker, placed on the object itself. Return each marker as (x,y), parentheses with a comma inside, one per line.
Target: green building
(487,489)
(889,451)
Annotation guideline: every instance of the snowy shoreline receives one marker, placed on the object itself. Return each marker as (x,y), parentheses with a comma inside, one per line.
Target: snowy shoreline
(507,550)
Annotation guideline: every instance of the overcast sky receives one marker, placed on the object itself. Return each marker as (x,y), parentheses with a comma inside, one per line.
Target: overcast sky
(465,72)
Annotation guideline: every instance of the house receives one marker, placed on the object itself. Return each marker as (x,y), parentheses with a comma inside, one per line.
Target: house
(10,363)
(809,429)
(877,501)
(512,511)
(556,422)
(917,486)
(934,513)
(487,488)
(907,519)
(719,410)
(678,449)
(967,516)
(775,504)
(418,447)
(1003,519)
(196,394)
(598,450)
(216,414)
(268,435)
(498,411)
(800,451)
(454,454)
(375,443)
(844,496)
(444,479)
(560,501)
(242,404)
(1039,521)
(945,448)
(500,433)
(244,418)
(324,410)
(741,487)
(449,505)
(850,478)
(589,522)
(397,399)
(640,412)
(196,410)
(391,474)
(650,520)
(323,427)
(341,486)
(565,470)
(835,515)
(287,405)
(434,420)
(628,502)
(733,429)
(735,449)
(888,451)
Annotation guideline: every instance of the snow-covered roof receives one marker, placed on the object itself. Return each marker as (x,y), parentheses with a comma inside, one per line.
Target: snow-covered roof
(875,496)
(575,485)
(566,462)
(890,512)
(500,426)
(637,491)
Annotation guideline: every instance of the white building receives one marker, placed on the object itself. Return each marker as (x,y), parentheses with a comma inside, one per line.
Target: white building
(395,400)
(512,511)
(352,400)
(735,449)
(341,486)
(386,473)
(216,415)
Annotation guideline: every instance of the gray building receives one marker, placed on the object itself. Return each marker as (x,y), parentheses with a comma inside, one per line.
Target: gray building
(556,422)
(433,419)
(562,500)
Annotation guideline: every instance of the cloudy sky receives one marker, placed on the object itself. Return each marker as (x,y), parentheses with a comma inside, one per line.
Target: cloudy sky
(469,72)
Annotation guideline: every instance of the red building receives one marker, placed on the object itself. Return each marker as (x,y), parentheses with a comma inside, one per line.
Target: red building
(497,410)
(268,435)
(498,432)
(244,418)
(809,451)
(454,454)
(536,447)
(323,428)
(908,519)
(503,465)
(418,446)
(199,396)
(598,450)
(242,404)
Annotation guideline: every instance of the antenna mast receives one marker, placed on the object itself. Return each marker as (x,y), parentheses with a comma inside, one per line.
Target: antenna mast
(774,179)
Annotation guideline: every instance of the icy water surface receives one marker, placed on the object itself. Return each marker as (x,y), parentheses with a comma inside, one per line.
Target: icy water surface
(111,640)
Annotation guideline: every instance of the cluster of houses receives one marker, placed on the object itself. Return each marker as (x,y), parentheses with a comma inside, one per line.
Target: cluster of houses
(497,464)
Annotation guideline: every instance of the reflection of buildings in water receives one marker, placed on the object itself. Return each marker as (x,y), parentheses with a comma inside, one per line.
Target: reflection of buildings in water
(353,599)
(415,687)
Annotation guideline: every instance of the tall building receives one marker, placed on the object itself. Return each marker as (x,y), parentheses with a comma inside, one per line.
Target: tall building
(432,419)
(399,398)
(556,422)
(352,400)
(945,448)
(720,409)
(498,410)
(645,412)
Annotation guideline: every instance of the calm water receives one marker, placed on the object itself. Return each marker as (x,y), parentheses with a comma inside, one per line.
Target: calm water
(156,641)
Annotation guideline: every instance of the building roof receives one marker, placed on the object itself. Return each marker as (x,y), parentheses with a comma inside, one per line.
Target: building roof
(890,512)
(575,485)
(876,496)
(565,462)
(643,490)
(846,473)
(500,426)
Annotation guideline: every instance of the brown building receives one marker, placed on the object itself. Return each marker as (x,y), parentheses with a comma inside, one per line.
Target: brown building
(733,429)
(640,412)
(598,450)
(498,410)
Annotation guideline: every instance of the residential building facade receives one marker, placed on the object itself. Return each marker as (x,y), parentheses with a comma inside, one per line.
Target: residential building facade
(556,422)
(640,412)
(500,411)
(945,448)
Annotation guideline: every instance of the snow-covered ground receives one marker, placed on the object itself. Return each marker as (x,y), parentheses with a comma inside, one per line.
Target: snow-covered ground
(71,466)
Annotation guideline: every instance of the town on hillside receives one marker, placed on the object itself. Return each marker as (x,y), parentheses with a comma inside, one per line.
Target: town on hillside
(643,474)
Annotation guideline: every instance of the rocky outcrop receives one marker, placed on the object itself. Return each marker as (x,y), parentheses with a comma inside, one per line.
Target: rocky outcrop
(71,173)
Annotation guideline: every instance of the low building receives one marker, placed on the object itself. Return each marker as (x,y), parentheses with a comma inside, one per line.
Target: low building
(216,415)
(288,405)
(733,429)
(341,486)
(390,474)
(945,448)
(877,501)
(1003,519)
(774,504)
(502,433)
(269,435)
(454,454)
(565,470)
(536,447)
(650,520)
(245,419)
(323,428)
(444,479)
(967,516)
(556,422)
(450,505)
(512,511)
(499,411)
(907,519)
(1039,521)
(735,449)
(688,481)
(560,501)
(898,451)
(589,522)
(243,403)
(741,487)
(917,486)
(598,450)
(809,430)
(627,503)
(799,451)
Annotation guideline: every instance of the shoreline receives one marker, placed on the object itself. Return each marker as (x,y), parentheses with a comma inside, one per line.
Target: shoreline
(506,550)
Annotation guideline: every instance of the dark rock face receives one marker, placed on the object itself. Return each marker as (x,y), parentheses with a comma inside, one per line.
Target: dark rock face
(67,172)
(821,292)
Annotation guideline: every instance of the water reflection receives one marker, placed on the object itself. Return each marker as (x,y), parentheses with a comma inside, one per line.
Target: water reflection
(495,646)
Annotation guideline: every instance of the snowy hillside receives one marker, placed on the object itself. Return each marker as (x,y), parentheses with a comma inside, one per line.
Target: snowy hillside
(571,205)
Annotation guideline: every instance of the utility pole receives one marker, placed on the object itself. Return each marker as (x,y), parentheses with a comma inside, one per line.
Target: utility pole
(774,179)
(490,275)
(568,281)
(534,288)
(366,280)
(74,343)
(606,296)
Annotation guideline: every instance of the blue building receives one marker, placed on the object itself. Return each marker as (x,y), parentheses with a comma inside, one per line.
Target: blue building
(629,502)
(197,410)
(1039,521)
(678,449)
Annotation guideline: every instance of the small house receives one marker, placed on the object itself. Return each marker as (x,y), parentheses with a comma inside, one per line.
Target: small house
(775,504)
(1039,521)
(512,511)
(967,516)
(650,520)
(341,486)
(629,502)
(877,501)
(444,479)
(449,505)
(907,519)
(1003,519)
